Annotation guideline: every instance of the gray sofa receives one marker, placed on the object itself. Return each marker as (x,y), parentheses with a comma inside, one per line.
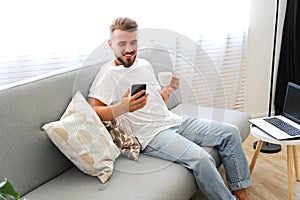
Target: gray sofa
(39,171)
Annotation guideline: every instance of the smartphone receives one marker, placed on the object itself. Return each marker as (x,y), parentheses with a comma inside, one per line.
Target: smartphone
(135,88)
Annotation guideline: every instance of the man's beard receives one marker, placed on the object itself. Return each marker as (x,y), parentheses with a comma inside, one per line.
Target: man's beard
(126,62)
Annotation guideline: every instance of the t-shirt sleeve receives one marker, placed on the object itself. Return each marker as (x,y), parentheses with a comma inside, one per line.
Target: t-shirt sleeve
(153,74)
(101,89)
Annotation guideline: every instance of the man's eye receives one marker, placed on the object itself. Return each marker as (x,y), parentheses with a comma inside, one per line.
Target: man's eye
(133,42)
(122,44)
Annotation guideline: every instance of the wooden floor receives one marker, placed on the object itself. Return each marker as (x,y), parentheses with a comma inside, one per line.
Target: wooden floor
(269,178)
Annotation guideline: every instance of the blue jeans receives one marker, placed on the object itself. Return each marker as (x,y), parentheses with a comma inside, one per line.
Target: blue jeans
(183,144)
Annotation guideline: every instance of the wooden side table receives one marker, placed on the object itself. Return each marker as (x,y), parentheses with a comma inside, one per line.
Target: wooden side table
(291,152)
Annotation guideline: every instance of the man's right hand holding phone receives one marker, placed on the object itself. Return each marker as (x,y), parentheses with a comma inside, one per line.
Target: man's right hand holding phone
(128,104)
(134,102)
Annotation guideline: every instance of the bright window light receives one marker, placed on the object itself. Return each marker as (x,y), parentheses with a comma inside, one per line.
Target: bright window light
(39,28)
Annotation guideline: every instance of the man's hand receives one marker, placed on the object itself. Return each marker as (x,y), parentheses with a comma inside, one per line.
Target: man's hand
(133,103)
(127,104)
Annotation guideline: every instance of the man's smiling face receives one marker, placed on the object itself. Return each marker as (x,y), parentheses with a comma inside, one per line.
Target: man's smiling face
(125,45)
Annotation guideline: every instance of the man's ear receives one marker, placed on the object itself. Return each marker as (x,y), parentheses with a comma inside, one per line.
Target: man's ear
(110,44)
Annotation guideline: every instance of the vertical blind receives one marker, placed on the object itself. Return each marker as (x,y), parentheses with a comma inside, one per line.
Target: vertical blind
(214,70)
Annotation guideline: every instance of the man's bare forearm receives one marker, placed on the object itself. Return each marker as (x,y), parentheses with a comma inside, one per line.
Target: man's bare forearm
(107,113)
(127,104)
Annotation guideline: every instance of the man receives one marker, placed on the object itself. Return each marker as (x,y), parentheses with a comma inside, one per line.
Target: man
(160,132)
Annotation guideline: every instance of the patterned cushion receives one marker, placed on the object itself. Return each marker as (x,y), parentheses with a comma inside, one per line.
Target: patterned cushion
(81,137)
(126,141)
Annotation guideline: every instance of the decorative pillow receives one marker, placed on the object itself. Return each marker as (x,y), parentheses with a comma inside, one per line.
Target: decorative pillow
(128,144)
(81,137)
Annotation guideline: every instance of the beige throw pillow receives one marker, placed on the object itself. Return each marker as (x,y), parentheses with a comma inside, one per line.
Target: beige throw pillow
(81,137)
(127,142)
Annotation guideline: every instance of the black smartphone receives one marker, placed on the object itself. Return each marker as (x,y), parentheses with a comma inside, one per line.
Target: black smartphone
(135,88)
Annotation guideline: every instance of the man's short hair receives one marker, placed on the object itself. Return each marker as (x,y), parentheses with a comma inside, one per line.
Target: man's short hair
(124,24)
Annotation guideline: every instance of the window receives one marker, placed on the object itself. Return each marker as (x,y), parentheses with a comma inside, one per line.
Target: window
(41,36)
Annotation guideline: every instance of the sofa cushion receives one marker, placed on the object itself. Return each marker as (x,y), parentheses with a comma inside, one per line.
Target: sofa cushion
(83,139)
(145,179)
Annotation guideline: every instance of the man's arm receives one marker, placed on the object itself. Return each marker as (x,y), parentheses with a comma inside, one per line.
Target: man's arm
(166,92)
(127,104)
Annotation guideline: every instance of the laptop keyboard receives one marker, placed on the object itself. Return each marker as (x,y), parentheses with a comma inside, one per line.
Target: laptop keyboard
(282,125)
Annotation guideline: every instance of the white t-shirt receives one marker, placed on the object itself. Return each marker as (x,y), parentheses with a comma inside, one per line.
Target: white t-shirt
(113,81)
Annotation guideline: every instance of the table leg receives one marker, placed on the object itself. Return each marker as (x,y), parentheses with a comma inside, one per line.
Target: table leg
(290,171)
(296,162)
(255,156)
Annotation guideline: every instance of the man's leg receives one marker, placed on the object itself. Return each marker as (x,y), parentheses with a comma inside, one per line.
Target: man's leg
(170,145)
(226,139)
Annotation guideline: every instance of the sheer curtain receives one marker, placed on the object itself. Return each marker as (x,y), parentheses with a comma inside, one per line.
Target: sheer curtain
(41,36)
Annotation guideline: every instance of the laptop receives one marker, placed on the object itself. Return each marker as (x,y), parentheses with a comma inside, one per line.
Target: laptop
(287,125)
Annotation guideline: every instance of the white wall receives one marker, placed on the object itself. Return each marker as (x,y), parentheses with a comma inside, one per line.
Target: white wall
(260,50)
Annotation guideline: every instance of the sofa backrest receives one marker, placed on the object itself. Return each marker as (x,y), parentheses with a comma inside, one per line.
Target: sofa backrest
(160,59)
(27,156)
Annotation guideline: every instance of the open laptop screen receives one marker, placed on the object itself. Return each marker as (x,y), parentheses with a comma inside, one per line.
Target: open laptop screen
(291,107)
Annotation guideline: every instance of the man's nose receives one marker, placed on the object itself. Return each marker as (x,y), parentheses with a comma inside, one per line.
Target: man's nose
(129,48)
